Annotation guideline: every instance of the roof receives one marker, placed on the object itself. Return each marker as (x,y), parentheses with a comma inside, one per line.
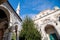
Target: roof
(48,14)
(14,11)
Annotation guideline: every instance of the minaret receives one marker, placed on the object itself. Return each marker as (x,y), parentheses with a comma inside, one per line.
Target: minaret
(18,9)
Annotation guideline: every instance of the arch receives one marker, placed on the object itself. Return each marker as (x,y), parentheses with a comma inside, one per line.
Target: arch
(49,28)
(4,21)
(16,27)
(52,32)
(6,12)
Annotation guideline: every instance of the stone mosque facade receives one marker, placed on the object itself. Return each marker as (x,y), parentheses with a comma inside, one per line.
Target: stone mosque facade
(9,19)
(48,23)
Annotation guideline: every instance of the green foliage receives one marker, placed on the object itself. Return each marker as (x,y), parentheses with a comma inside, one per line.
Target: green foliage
(29,32)
(13,36)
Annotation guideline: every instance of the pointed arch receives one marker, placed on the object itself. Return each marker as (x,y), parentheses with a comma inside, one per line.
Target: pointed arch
(4,21)
(52,32)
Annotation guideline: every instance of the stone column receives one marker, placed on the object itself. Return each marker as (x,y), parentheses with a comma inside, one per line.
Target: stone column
(8,34)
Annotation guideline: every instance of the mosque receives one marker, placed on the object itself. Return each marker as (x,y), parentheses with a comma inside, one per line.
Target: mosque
(48,23)
(9,20)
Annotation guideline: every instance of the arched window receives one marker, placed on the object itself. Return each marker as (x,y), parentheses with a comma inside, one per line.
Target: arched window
(52,32)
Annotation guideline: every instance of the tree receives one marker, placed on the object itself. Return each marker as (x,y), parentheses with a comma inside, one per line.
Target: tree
(13,36)
(29,32)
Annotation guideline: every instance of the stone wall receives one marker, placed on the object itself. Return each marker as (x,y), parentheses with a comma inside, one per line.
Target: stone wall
(50,19)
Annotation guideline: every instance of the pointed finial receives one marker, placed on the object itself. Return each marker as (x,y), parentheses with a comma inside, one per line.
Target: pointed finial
(18,8)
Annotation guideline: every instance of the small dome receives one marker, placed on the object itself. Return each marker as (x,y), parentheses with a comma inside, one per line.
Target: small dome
(56,7)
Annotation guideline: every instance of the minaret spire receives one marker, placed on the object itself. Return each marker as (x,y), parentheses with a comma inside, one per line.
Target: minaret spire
(18,8)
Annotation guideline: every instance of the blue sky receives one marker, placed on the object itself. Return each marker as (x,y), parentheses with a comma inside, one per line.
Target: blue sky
(33,7)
